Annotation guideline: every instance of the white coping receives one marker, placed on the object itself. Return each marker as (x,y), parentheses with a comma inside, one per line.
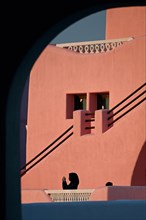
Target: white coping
(95,42)
(69,191)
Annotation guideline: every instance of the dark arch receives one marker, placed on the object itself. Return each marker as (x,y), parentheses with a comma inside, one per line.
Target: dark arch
(21,34)
(139,172)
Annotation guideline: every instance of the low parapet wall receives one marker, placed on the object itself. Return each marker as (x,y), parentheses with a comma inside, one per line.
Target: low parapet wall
(34,195)
(103,193)
(119,193)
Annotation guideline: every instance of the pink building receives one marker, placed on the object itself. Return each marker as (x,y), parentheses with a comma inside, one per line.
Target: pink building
(97,91)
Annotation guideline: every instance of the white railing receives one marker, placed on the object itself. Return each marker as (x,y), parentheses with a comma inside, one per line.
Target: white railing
(94,46)
(69,195)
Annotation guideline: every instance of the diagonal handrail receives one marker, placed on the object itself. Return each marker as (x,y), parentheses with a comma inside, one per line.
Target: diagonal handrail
(45,149)
(39,160)
(127,98)
(127,104)
(127,111)
(130,102)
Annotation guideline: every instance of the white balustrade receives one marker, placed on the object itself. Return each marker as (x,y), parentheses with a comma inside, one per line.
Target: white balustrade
(94,46)
(69,195)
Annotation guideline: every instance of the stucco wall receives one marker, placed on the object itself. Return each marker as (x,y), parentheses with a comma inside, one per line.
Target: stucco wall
(31,196)
(110,156)
(125,22)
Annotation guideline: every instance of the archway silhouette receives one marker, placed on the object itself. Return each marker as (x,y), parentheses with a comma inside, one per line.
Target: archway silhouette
(12,100)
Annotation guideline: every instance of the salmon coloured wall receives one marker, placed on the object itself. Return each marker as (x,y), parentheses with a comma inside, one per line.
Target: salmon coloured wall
(99,157)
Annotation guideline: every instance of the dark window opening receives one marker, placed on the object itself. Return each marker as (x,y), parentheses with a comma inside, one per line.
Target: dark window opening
(103,101)
(75,102)
(98,101)
(80,102)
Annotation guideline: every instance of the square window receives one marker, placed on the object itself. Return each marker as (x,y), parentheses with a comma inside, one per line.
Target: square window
(103,100)
(98,101)
(75,102)
(80,101)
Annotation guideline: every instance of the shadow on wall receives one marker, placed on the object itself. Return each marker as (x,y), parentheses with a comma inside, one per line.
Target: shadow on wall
(139,172)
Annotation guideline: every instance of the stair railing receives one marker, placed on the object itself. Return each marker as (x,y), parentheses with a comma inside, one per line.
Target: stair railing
(128,104)
(25,169)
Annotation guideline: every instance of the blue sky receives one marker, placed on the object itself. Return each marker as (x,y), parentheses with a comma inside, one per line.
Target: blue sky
(90,28)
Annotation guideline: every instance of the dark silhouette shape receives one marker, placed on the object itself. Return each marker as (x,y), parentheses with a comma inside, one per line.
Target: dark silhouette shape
(139,171)
(109,184)
(74,181)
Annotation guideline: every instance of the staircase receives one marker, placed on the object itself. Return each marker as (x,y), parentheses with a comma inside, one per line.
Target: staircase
(88,118)
(44,153)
